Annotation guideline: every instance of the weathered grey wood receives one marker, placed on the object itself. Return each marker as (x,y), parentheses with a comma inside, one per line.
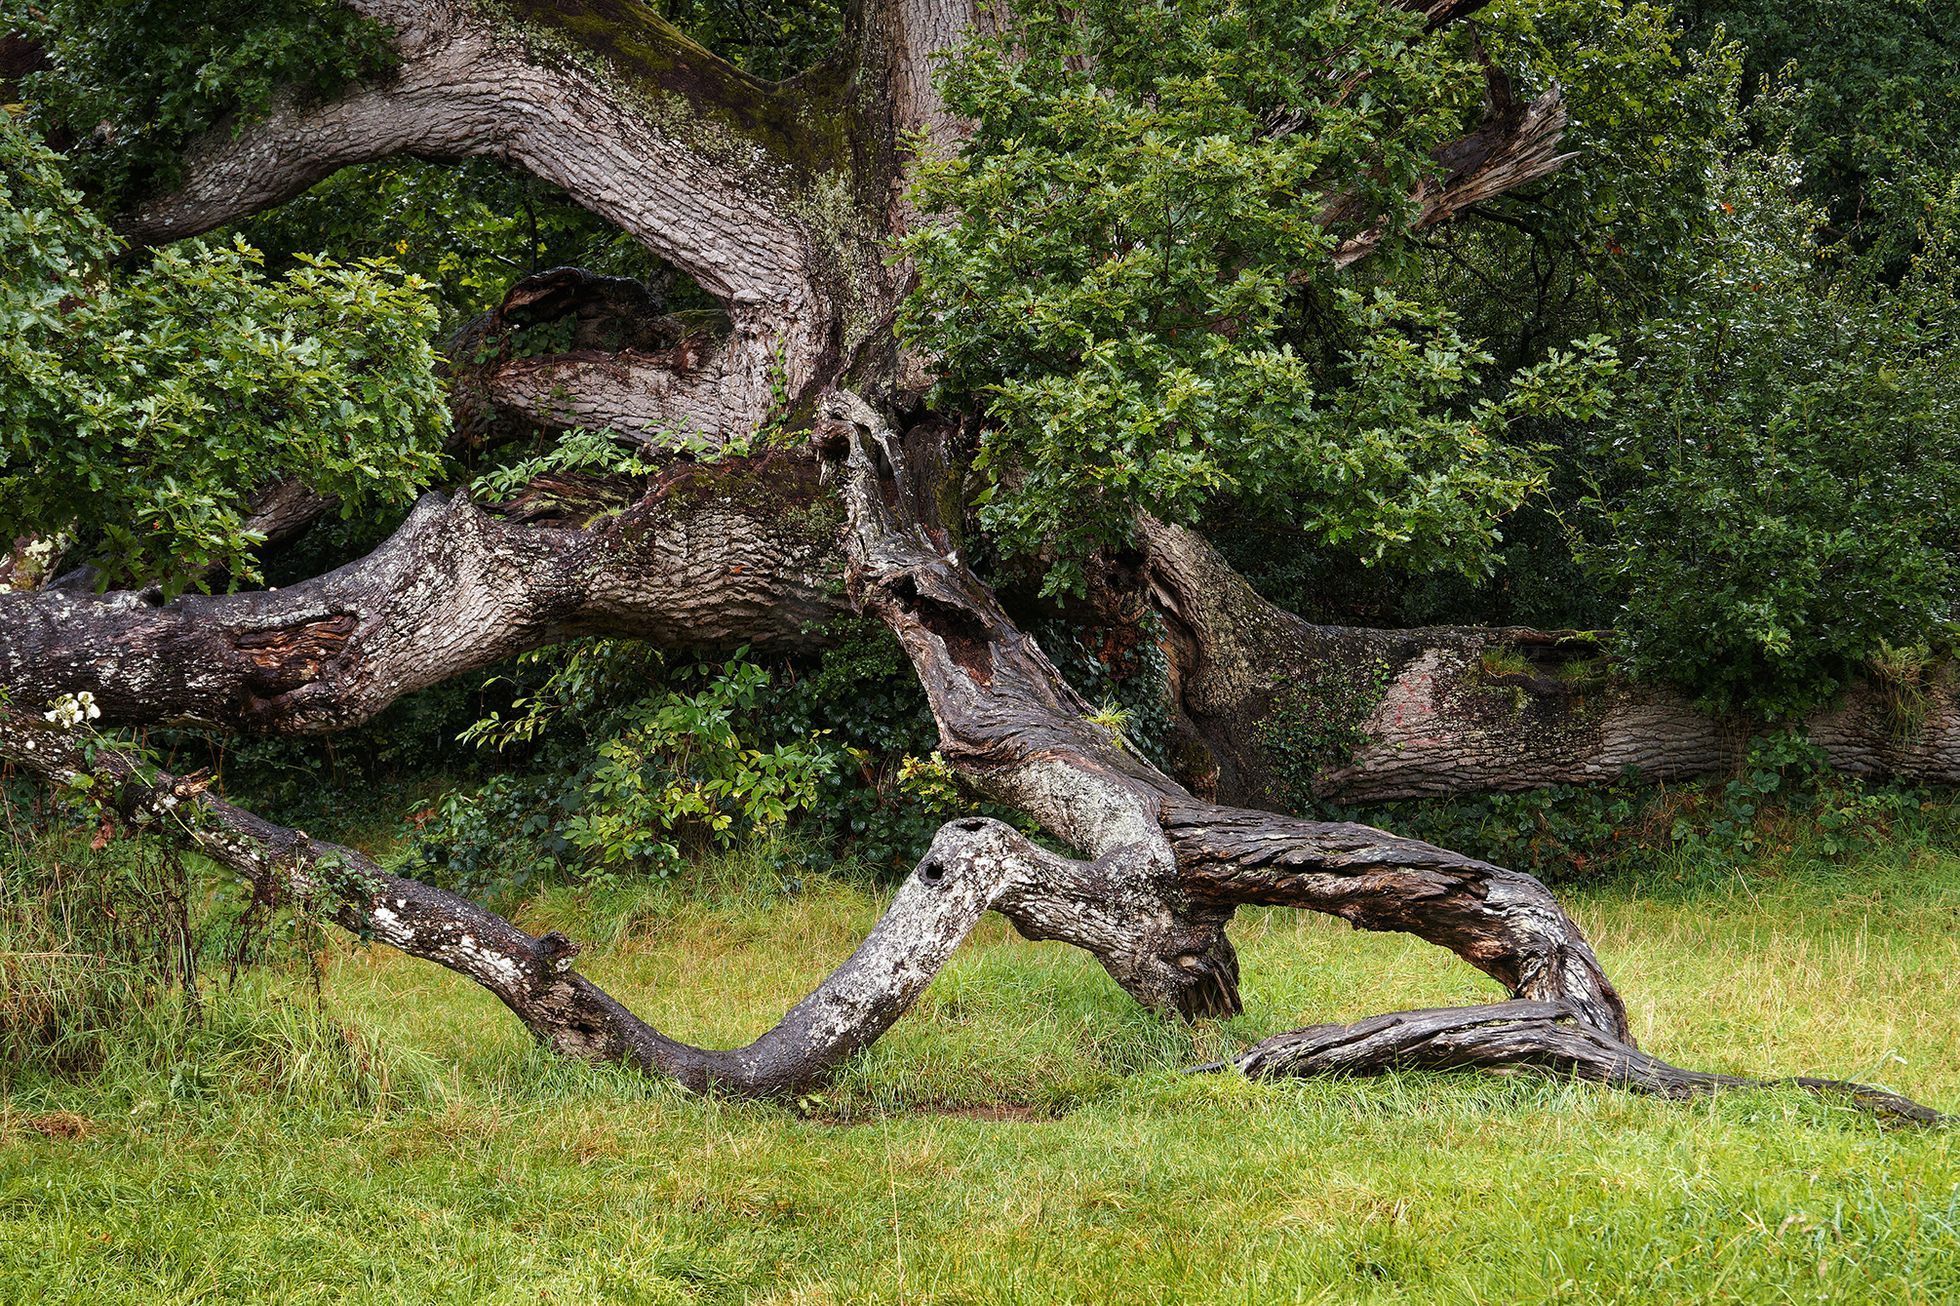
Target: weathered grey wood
(1176,866)
(1544,1037)
(969,864)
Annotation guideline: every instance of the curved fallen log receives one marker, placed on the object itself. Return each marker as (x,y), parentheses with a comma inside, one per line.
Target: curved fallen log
(971,863)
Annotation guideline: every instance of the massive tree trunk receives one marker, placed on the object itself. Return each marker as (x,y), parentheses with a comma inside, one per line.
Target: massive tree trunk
(1286,710)
(778,200)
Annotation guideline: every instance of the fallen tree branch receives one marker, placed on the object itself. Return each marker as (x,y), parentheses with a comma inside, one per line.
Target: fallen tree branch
(1174,867)
(1546,1037)
(967,867)
(1440,723)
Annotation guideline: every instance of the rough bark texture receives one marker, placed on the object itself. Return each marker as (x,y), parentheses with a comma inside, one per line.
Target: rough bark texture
(1432,720)
(1544,1037)
(775,200)
(1177,866)
(708,557)
(971,864)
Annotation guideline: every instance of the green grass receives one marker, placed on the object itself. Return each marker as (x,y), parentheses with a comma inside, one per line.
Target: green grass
(1026,1135)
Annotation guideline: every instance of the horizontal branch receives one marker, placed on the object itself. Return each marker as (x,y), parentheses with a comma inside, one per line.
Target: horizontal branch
(930,915)
(1546,1037)
(1505,923)
(708,557)
(1430,719)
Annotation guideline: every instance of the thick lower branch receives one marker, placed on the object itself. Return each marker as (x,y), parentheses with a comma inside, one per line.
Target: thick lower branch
(1503,922)
(1444,711)
(708,556)
(969,863)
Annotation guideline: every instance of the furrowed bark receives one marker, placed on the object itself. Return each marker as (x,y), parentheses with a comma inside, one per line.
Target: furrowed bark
(1505,923)
(1434,720)
(708,557)
(734,181)
(1174,867)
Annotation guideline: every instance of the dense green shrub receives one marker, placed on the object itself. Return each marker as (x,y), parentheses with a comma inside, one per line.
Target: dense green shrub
(1136,283)
(615,761)
(1780,484)
(131,82)
(1875,94)
(144,407)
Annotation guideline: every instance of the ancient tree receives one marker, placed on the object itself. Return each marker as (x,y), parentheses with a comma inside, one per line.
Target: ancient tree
(781,200)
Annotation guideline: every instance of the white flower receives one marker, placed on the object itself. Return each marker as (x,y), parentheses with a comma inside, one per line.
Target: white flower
(70,710)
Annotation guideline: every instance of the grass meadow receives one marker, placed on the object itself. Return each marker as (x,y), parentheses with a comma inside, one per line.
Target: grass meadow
(373,1129)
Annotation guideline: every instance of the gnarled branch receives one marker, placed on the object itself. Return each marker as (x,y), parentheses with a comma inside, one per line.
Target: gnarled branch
(709,556)
(1546,1037)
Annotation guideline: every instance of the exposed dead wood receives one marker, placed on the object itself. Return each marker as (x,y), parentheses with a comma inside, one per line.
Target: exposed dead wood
(1544,1037)
(1178,867)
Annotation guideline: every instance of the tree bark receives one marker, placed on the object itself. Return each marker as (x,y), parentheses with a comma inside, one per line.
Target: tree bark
(776,199)
(971,865)
(740,552)
(1177,867)
(1432,718)
(1543,1037)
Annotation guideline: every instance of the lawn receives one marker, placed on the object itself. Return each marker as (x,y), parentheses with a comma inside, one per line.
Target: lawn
(1026,1135)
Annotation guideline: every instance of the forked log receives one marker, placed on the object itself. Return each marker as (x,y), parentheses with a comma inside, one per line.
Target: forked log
(1020,735)
(973,865)
(1180,866)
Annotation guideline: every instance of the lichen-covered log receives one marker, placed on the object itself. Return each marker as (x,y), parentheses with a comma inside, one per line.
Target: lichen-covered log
(970,864)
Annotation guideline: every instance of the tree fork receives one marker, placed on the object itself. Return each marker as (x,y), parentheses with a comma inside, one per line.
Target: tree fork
(1178,866)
